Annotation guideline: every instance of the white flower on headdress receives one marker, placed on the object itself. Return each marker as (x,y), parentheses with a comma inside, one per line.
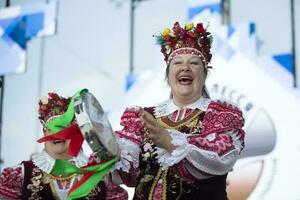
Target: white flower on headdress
(178,45)
(44,100)
(169,50)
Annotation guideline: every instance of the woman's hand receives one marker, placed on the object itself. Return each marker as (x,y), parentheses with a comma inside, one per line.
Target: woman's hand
(159,136)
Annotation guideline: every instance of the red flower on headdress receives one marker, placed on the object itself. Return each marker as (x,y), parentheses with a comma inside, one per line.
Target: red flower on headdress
(54,105)
(178,31)
(189,41)
(192,34)
(171,41)
(199,28)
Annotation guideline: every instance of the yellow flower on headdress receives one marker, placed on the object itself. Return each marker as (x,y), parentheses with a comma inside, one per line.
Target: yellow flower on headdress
(166,32)
(189,26)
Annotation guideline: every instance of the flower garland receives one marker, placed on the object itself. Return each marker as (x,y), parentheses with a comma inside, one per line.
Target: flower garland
(189,36)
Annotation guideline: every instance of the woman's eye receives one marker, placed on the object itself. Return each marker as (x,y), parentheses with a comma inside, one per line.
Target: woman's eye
(177,63)
(194,63)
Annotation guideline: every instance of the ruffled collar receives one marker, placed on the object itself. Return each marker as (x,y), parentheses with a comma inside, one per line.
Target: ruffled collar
(168,107)
(45,162)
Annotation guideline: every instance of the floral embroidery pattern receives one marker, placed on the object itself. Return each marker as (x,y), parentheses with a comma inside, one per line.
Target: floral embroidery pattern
(133,128)
(220,118)
(11,182)
(35,185)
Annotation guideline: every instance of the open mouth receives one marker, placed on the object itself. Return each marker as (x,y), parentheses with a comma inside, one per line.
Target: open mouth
(59,142)
(185,80)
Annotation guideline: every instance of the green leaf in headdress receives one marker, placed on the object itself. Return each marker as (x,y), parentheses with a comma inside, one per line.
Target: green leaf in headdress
(160,40)
(210,39)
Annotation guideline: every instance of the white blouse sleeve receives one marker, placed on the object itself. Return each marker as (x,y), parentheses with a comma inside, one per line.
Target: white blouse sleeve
(215,150)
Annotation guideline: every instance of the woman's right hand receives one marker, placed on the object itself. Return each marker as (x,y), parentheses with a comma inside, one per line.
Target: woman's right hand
(159,136)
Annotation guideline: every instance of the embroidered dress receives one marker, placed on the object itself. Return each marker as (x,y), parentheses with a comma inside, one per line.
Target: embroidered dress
(32,180)
(208,137)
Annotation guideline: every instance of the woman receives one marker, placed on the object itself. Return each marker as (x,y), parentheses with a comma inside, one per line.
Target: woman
(182,148)
(32,179)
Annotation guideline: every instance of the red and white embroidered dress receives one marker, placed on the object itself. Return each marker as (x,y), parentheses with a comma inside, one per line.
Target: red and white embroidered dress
(208,137)
(32,180)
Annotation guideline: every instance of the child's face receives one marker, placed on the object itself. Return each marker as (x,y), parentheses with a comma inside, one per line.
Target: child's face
(57,149)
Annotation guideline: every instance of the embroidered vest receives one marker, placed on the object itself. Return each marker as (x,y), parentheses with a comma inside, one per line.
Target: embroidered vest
(171,186)
(37,186)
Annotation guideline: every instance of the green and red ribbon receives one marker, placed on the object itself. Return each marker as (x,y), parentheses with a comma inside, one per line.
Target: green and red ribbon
(73,133)
(92,175)
(62,130)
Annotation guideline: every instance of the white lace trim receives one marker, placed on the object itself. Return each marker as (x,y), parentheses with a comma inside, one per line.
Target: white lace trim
(210,162)
(129,154)
(45,162)
(168,107)
(236,140)
(166,159)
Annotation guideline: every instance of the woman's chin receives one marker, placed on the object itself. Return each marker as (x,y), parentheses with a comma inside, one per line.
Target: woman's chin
(186,93)
(57,150)
(63,155)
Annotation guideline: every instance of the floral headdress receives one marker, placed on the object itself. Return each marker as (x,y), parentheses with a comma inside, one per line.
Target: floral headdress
(188,40)
(52,106)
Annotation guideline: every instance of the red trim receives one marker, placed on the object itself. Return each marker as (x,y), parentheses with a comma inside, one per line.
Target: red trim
(131,138)
(187,50)
(86,176)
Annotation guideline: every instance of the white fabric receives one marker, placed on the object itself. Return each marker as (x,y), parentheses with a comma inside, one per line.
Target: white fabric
(179,140)
(203,160)
(129,154)
(45,162)
(61,192)
(168,107)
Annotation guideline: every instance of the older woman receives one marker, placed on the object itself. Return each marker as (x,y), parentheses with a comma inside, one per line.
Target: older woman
(182,148)
(33,179)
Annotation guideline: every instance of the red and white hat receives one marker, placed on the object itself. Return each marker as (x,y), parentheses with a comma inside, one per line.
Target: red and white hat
(52,106)
(189,39)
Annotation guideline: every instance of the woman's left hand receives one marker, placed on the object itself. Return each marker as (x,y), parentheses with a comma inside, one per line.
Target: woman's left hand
(159,136)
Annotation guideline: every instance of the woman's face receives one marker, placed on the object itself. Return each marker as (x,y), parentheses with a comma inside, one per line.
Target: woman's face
(57,149)
(186,78)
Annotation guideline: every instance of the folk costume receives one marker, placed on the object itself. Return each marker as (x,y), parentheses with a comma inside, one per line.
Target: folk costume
(33,179)
(207,134)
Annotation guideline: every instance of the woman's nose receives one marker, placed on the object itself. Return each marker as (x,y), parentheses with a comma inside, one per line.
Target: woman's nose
(185,67)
